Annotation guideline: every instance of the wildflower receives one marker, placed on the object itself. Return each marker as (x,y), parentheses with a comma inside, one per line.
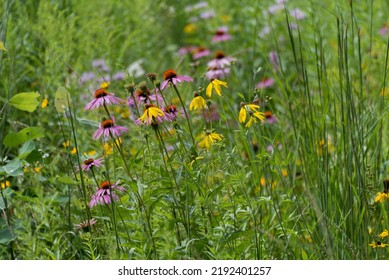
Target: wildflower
(220,61)
(251,109)
(104,85)
(378,244)
(190,28)
(198,102)
(108,148)
(100,65)
(104,192)
(221,35)
(215,73)
(265,83)
(265,31)
(171,113)
(109,129)
(384,30)
(119,76)
(381,197)
(66,144)
(5,184)
(91,153)
(135,69)
(209,138)
(215,84)
(38,169)
(200,52)
(45,102)
(151,115)
(270,118)
(86,77)
(384,234)
(207,14)
(90,162)
(85,225)
(284,172)
(171,76)
(102,97)
(73,151)
(297,14)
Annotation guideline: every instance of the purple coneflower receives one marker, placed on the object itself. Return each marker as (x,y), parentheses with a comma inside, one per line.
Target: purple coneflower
(109,129)
(266,82)
(200,52)
(102,97)
(89,163)
(104,193)
(215,73)
(171,113)
(85,225)
(221,35)
(220,60)
(270,118)
(170,76)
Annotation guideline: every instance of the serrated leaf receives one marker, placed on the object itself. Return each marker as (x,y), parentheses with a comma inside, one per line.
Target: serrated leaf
(29,133)
(12,168)
(62,98)
(25,101)
(2,47)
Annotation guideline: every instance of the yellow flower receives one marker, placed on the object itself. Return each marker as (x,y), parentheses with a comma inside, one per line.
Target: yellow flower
(249,108)
(45,102)
(284,172)
(209,138)
(150,114)
(197,102)
(370,230)
(215,84)
(190,28)
(66,144)
(5,184)
(91,153)
(254,117)
(378,244)
(381,197)
(384,234)
(108,149)
(38,169)
(73,151)
(104,85)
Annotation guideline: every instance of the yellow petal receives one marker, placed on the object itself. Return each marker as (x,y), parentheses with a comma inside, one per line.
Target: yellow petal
(209,89)
(242,115)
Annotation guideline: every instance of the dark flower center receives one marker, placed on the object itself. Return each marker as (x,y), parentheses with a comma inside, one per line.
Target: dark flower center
(147,106)
(268,114)
(219,54)
(220,32)
(107,124)
(89,161)
(105,185)
(169,74)
(170,109)
(100,93)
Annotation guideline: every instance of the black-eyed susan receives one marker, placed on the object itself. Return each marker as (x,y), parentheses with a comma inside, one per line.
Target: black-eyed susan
(215,84)
(198,102)
(378,244)
(208,139)
(151,115)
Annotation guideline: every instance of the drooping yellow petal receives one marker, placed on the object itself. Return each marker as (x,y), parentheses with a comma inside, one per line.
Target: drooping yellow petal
(242,115)
(384,234)
(253,107)
(197,103)
(259,115)
(209,90)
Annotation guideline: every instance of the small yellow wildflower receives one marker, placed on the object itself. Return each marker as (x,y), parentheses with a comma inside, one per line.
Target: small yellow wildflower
(108,148)
(66,144)
(5,184)
(197,103)
(262,181)
(38,169)
(45,102)
(91,153)
(150,114)
(381,197)
(284,172)
(254,117)
(215,84)
(104,85)
(190,28)
(250,109)
(378,244)
(384,234)
(209,138)
(73,151)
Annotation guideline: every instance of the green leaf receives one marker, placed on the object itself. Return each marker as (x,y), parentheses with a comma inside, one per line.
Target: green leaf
(62,98)
(29,133)
(2,47)
(25,101)
(67,180)
(304,255)
(5,236)
(34,156)
(26,149)
(12,168)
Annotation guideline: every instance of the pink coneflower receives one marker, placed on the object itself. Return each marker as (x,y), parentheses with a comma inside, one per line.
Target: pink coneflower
(89,163)
(270,118)
(297,14)
(109,129)
(221,35)
(185,50)
(220,60)
(170,76)
(171,113)
(215,73)
(103,194)
(265,83)
(200,52)
(102,97)
(85,225)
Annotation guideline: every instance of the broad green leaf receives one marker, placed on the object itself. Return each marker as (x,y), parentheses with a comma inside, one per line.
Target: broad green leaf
(26,149)
(26,134)
(34,156)
(5,236)
(2,47)
(62,98)
(25,101)
(12,168)
(66,180)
